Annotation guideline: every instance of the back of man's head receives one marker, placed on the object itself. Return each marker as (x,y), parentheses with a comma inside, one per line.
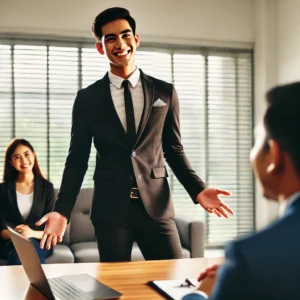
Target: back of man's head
(282,120)
(109,15)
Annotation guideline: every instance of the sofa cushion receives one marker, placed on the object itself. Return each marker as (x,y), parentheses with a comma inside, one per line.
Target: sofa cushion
(81,229)
(85,252)
(186,253)
(61,254)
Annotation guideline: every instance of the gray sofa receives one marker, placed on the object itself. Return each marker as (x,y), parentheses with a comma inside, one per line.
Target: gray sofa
(79,244)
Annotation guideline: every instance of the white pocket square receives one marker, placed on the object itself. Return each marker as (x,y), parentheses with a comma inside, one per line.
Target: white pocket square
(159,103)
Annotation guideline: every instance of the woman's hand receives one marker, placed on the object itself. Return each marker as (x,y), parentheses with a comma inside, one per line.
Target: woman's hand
(25,231)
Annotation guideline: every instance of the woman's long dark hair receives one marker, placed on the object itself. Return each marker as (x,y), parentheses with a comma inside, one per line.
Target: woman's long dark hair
(10,173)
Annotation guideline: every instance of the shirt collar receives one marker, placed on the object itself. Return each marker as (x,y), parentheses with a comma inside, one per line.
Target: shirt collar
(287,203)
(117,81)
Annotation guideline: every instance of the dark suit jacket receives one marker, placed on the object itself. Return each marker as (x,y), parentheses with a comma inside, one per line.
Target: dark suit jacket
(43,202)
(264,266)
(95,118)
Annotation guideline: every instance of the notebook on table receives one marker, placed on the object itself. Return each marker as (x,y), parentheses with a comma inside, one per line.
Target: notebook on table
(174,289)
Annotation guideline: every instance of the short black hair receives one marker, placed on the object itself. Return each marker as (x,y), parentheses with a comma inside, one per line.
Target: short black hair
(109,15)
(282,120)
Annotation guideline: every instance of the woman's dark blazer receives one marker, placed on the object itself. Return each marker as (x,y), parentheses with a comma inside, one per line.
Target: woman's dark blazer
(43,202)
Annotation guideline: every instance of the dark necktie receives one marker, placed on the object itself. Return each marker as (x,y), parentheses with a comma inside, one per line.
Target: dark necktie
(130,121)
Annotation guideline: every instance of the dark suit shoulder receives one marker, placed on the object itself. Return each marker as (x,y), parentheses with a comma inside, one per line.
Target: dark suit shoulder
(269,239)
(3,187)
(161,85)
(92,87)
(47,184)
(5,184)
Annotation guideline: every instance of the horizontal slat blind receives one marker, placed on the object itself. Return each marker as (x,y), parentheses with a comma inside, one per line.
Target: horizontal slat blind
(63,85)
(30,88)
(6,101)
(189,80)
(229,142)
(38,85)
(156,64)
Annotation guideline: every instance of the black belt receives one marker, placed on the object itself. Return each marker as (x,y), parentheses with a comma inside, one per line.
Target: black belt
(134,193)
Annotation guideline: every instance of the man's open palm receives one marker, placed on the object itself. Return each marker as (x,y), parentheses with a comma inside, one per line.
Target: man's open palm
(55,228)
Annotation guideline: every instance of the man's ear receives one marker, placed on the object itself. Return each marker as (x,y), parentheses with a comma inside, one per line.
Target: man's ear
(100,48)
(276,156)
(137,40)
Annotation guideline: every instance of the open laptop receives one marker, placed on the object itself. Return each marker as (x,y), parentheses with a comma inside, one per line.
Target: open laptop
(73,287)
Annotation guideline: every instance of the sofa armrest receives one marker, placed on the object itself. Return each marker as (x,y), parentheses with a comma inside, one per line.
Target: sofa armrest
(192,235)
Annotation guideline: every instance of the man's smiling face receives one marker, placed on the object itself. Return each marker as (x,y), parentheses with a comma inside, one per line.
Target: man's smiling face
(119,44)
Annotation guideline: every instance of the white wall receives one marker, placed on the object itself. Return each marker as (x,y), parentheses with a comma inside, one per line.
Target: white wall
(211,21)
(265,77)
(288,40)
(277,60)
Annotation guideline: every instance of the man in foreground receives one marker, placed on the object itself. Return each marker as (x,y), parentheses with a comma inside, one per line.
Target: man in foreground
(266,265)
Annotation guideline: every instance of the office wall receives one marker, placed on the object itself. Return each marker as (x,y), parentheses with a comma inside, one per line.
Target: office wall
(211,21)
(277,60)
(265,33)
(288,41)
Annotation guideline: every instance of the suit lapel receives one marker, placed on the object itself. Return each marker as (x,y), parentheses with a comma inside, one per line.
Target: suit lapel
(110,108)
(12,196)
(148,89)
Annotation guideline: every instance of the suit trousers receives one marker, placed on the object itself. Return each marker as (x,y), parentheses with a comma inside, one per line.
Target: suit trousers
(157,239)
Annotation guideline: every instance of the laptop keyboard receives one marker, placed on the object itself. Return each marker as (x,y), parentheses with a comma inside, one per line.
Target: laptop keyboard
(65,290)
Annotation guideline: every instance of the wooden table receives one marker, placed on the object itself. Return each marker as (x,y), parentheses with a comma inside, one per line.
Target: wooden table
(129,278)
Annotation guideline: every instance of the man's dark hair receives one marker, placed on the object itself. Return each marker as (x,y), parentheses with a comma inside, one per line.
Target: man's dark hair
(109,15)
(282,120)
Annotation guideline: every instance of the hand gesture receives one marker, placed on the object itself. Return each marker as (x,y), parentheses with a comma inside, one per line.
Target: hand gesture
(210,200)
(55,228)
(209,272)
(207,285)
(24,230)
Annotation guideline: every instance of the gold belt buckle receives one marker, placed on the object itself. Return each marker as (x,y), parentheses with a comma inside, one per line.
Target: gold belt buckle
(131,194)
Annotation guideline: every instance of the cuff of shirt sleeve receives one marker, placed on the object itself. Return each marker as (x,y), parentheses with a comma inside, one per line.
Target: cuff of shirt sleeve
(201,293)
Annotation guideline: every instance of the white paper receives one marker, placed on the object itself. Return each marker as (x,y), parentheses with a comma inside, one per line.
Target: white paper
(174,289)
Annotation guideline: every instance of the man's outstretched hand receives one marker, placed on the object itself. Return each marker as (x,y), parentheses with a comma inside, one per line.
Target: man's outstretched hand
(211,201)
(55,228)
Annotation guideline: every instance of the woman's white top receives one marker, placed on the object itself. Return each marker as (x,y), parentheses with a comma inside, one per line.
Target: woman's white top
(24,203)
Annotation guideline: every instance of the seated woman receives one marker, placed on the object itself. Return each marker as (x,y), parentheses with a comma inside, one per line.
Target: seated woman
(25,196)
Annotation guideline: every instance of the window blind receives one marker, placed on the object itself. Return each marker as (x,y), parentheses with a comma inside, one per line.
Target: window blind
(38,85)
(6,100)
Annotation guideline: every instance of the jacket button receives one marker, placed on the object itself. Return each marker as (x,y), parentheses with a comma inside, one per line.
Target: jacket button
(133,154)
(140,176)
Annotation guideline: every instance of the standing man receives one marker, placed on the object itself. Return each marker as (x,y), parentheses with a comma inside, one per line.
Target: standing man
(133,120)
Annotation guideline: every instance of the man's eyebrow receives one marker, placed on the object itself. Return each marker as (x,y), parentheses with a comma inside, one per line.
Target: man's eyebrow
(113,34)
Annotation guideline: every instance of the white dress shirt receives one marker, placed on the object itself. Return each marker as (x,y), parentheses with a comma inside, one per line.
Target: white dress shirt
(137,95)
(287,202)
